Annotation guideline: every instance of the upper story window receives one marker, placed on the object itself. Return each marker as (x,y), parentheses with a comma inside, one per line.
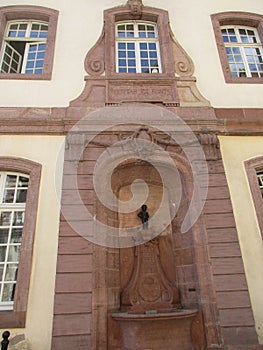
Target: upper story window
(239,38)
(260,180)
(137,48)
(244,51)
(27,39)
(13,191)
(24,47)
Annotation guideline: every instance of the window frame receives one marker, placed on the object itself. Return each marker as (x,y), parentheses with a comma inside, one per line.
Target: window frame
(12,207)
(156,16)
(252,167)
(31,13)
(241,19)
(136,40)
(17,316)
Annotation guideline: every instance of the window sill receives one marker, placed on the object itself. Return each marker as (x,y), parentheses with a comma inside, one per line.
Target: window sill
(12,319)
(233,80)
(18,76)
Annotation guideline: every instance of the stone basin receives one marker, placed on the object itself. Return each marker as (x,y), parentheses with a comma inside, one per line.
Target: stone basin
(152,330)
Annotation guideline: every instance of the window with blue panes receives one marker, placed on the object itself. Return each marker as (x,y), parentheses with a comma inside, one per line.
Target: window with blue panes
(137,48)
(244,51)
(24,47)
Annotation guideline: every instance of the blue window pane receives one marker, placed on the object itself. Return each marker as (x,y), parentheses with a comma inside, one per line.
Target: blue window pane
(32,48)
(234,74)
(29,71)
(122,70)
(130,34)
(151,35)
(244,39)
(241,67)
(33,34)
(144,54)
(153,54)
(32,56)
(12,33)
(143,46)
(42,47)
(21,33)
(39,63)
(236,50)
(30,64)
(145,70)
(225,39)
(122,62)
(154,63)
(238,58)
(43,35)
(131,63)
(132,70)
(121,35)
(41,55)
(122,46)
(233,39)
(130,46)
(142,35)
(152,46)
(131,54)
(38,71)
(252,67)
(230,58)
(144,62)
(228,50)
(121,54)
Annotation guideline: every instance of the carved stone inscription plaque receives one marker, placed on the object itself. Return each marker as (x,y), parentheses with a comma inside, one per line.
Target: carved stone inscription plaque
(142,91)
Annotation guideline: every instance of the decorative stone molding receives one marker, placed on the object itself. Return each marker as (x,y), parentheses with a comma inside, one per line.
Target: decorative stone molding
(189,95)
(135,8)
(184,66)
(211,146)
(94,61)
(175,86)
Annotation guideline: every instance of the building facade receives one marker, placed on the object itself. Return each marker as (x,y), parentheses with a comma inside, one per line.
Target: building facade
(131,174)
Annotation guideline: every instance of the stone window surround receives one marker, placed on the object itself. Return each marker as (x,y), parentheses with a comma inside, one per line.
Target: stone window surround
(16,318)
(154,15)
(252,166)
(235,18)
(8,13)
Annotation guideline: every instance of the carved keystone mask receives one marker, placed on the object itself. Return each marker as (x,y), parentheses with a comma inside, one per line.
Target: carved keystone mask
(135,7)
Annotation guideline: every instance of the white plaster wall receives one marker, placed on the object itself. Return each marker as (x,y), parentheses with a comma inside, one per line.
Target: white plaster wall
(49,152)
(235,151)
(80,25)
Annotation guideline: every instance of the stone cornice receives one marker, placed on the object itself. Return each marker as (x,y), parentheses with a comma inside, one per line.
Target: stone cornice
(221,121)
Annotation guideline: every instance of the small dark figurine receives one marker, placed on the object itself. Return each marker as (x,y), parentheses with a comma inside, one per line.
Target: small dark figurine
(5,341)
(144,216)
